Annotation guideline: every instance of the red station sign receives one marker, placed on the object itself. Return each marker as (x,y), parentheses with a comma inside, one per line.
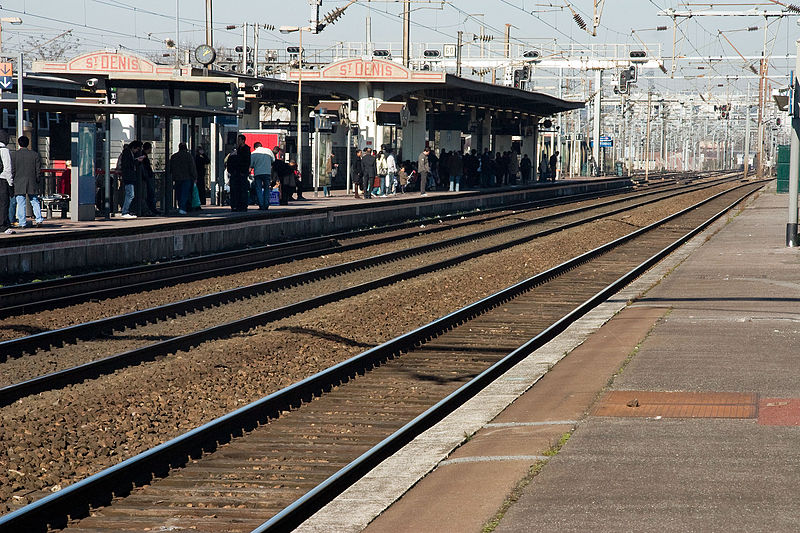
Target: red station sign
(368,70)
(108,62)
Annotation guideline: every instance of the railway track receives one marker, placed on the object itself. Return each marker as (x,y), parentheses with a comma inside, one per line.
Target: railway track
(96,367)
(84,331)
(337,424)
(60,292)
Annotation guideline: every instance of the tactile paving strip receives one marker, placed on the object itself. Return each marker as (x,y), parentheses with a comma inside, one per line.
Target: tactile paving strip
(627,403)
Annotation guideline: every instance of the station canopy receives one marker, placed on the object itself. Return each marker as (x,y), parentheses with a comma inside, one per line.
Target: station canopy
(343,77)
(112,82)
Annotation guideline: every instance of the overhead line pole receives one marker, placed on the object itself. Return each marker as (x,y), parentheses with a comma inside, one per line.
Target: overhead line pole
(406,32)
(209,33)
(647,137)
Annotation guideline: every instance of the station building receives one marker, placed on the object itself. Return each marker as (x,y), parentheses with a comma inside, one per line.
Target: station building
(81,112)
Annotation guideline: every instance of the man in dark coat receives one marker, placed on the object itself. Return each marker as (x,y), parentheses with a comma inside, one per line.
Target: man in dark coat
(424,170)
(370,169)
(525,168)
(148,177)
(184,174)
(239,170)
(200,161)
(129,178)
(553,164)
(27,181)
(356,172)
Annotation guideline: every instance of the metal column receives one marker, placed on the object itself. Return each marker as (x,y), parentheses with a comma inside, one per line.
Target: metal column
(598,77)
(794,160)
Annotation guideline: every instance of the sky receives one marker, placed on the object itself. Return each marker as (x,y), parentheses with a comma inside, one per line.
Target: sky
(100,24)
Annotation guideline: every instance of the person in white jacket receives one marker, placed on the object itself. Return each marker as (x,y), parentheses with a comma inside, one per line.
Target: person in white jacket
(391,172)
(6,184)
(381,165)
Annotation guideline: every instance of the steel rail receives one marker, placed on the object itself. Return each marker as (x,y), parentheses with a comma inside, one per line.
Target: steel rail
(93,369)
(95,328)
(75,500)
(30,297)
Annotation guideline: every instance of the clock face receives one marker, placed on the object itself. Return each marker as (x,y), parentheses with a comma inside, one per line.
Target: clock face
(204,54)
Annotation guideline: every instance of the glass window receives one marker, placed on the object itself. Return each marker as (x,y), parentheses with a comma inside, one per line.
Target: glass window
(127,95)
(190,98)
(216,99)
(154,97)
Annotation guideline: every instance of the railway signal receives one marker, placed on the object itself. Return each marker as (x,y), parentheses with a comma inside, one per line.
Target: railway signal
(627,77)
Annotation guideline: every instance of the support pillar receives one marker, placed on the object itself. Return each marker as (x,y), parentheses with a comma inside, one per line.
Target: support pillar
(598,79)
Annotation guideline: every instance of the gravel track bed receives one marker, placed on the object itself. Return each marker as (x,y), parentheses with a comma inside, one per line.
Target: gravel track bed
(14,327)
(46,361)
(55,438)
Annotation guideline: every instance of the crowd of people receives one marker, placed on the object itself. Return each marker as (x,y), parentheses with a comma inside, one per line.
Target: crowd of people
(381,174)
(251,176)
(269,170)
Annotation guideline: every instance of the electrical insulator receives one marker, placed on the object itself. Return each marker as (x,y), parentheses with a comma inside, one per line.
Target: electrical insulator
(579,20)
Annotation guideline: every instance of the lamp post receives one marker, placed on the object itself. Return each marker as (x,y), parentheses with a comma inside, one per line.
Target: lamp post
(292,29)
(12,20)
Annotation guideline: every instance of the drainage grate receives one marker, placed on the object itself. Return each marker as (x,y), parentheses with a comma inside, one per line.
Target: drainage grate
(677,404)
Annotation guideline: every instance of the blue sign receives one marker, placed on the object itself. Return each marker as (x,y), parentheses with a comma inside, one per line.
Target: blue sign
(6,82)
(606,141)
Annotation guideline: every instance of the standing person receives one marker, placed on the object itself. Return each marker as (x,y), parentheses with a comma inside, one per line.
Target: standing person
(200,162)
(356,172)
(27,165)
(289,182)
(443,167)
(499,169)
(424,169)
(184,174)
(381,165)
(433,170)
(544,165)
(128,169)
(513,168)
(239,170)
(455,167)
(525,168)
(148,176)
(391,172)
(280,168)
(331,169)
(370,170)
(486,168)
(261,161)
(6,183)
(553,164)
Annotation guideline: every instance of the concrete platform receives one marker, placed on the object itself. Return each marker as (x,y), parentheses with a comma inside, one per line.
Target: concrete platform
(734,326)
(61,245)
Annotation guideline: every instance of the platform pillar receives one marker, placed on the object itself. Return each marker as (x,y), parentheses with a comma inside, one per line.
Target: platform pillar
(794,159)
